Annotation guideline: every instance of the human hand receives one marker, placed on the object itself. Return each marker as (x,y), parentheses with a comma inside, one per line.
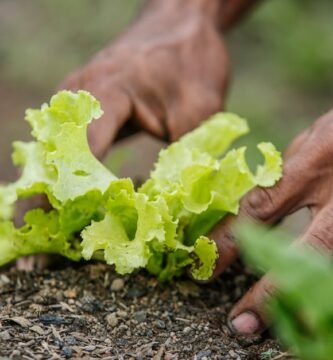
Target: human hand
(164,75)
(307,182)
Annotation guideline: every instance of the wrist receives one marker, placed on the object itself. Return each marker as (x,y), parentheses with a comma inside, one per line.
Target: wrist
(211,9)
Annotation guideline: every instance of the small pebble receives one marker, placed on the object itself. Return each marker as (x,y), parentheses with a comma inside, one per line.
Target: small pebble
(136,292)
(70,293)
(232,354)
(67,351)
(140,316)
(90,348)
(112,320)
(160,324)
(122,314)
(123,327)
(187,330)
(4,280)
(92,306)
(37,329)
(4,335)
(48,319)
(117,284)
(22,321)
(149,333)
(70,340)
(203,354)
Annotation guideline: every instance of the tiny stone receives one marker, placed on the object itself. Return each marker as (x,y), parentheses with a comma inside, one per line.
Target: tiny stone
(92,306)
(37,329)
(203,354)
(136,292)
(70,293)
(107,341)
(68,352)
(117,284)
(90,348)
(122,314)
(160,324)
(123,327)
(187,330)
(48,319)
(232,354)
(149,333)
(22,321)
(4,280)
(4,335)
(121,342)
(70,340)
(140,316)
(112,319)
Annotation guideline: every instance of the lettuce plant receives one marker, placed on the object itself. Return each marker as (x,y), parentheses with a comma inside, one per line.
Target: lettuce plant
(161,226)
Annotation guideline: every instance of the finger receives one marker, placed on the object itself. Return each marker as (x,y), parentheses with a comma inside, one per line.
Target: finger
(319,235)
(263,205)
(26,263)
(248,315)
(33,262)
(115,103)
(23,205)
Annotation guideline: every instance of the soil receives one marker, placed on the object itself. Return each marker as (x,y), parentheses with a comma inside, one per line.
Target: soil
(89,312)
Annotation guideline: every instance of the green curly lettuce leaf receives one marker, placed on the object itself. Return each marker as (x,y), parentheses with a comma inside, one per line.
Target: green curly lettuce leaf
(206,252)
(40,234)
(59,163)
(161,226)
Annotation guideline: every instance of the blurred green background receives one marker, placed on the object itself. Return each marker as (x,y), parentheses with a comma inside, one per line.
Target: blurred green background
(282,57)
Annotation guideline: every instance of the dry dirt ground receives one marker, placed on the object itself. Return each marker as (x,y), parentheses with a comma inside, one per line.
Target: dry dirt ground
(88,312)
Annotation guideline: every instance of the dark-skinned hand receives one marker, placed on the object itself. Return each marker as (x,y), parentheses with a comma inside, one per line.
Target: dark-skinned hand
(168,72)
(164,75)
(307,182)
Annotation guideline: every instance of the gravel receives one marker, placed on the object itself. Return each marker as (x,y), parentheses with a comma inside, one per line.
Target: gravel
(89,312)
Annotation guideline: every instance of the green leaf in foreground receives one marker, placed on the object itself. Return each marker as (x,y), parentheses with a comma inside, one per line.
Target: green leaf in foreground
(302,310)
(161,226)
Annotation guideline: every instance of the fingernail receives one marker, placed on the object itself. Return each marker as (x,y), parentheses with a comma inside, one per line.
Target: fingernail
(246,323)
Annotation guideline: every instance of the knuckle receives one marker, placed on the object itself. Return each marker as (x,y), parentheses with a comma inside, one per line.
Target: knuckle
(321,236)
(72,81)
(260,205)
(227,245)
(268,290)
(321,243)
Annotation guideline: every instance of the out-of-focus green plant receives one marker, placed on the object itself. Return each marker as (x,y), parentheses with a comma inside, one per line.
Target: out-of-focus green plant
(302,310)
(282,56)
(301,40)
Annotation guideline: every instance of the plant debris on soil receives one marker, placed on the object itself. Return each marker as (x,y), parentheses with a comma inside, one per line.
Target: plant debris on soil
(89,312)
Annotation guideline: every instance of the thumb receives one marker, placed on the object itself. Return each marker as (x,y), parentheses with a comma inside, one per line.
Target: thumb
(263,205)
